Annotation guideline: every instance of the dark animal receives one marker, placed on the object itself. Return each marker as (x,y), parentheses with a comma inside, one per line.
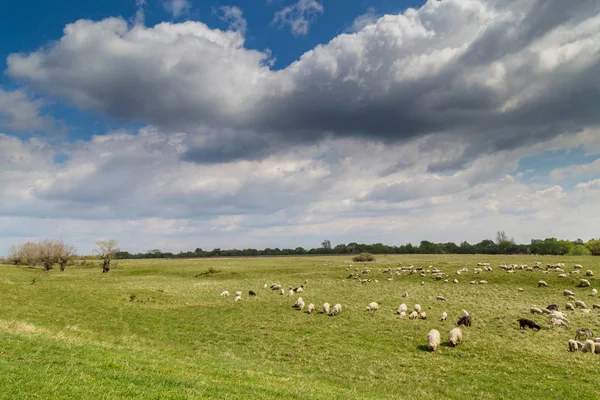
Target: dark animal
(466,321)
(251,293)
(552,307)
(583,333)
(527,323)
(296,289)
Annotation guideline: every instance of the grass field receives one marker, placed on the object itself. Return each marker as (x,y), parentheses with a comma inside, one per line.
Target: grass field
(158,329)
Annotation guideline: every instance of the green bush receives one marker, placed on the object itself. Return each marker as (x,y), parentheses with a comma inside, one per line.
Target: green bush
(363,257)
(579,250)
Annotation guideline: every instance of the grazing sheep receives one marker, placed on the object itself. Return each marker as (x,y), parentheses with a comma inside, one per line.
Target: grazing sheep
(594,292)
(595,306)
(535,310)
(299,289)
(311,308)
(237,294)
(579,266)
(238,298)
(527,323)
(373,306)
(455,281)
(291,292)
(558,323)
(441,298)
(571,298)
(444,316)
(465,313)
(423,315)
(282,292)
(563,275)
(552,307)
(569,307)
(583,333)
(413,315)
(225,293)
(251,293)
(265,286)
(542,284)
(433,340)
(482,282)
(275,286)
(402,307)
(336,310)
(589,273)
(417,308)
(568,293)
(466,321)
(574,345)
(588,346)
(455,337)
(402,314)
(299,301)
(326,308)
(580,304)
(520,289)
(405,294)
(586,310)
(584,283)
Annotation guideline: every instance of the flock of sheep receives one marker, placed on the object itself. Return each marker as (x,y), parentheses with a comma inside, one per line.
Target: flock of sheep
(455,336)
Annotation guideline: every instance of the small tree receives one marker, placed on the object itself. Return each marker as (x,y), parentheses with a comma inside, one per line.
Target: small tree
(106,250)
(47,253)
(65,253)
(15,254)
(326,244)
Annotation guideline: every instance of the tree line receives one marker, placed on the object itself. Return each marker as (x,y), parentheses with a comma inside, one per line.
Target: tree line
(502,245)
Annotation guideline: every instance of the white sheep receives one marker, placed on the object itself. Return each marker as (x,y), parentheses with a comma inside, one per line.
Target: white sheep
(542,284)
(265,286)
(405,294)
(423,315)
(465,313)
(291,292)
(455,281)
(311,308)
(301,305)
(433,340)
(282,292)
(569,307)
(568,293)
(588,346)
(574,345)
(413,315)
(558,322)
(594,292)
(238,298)
(579,266)
(444,316)
(417,308)
(237,294)
(299,301)
(589,273)
(580,304)
(402,307)
(326,308)
(402,314)
(225,293)
(336,310)
(441,298)
(373,306)
(584,283)
(563,275)
(535,310)
(455,336)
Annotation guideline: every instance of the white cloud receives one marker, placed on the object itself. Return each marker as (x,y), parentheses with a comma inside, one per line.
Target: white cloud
(360,22)
(299,16)
(234,17)
(177,7)
(20,112)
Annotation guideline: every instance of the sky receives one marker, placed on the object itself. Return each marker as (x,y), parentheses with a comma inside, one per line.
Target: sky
(177,124)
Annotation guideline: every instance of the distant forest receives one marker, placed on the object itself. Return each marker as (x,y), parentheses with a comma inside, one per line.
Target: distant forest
(502,245)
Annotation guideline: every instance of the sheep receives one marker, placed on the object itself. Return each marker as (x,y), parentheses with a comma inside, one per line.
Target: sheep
(586,310)
(483,282)
(580,304)
(568,293)
(584,283)
(433,340)
(336,310)
(552,307)
(579,266)
(265,286)
(520,289)
(311,308)
(542,284)
(589,273)
(571,298)
(441,298)
(275,286)
(291,292)
(423,315)
(225,293)
(535,310)
(326,308)
(238,298)
(299,289)
(455,281)
(558,323)
(417,308)
(588,346)
(299,301)
(282,292)
(595,306)
(238,293)
(465,320)
(402,314)
(251,293)
(444,316)
(583,333)
(402,307)
(455,336)
(574,345)
(413,315)
(594,292)
(527,323)
(563,276)
(569,307)
(373,306)
(405,294)
(465,313)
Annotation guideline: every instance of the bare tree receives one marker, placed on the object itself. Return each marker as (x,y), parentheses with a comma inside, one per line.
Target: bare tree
(106,250)
(29,253)
(15,254)
(66,252)
(48,253)
(502,237)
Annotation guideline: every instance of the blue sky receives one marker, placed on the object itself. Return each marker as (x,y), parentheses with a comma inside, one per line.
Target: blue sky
(178,124)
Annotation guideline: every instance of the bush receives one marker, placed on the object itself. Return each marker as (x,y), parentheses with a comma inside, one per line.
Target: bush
(208,272)
(363,257)
(579,250)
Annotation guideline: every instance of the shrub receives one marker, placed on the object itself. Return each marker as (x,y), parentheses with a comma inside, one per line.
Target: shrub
(363,257)
(208,272)
(579,250)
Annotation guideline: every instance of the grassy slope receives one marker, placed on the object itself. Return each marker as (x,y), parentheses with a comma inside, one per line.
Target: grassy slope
(76,334)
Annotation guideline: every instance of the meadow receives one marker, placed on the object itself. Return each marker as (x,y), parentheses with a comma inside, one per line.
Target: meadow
(158,329)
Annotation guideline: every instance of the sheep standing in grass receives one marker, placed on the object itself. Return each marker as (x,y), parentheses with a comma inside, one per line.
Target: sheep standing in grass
(588,346)
(299,301)
(336,310)
(237,294)
(282,292)
(402,307)
(326,308)
(584,283)
(574,345)
(455,337)
(423,315)
(542,284)
(589,273)
(583,333)
(225,293)
(594,292)
(311,308)
(568,293)
(291,292)
(444,316)
(535,310)
(402,314)
(569,307)
(580,304)
(373,306)
(413,315)
(441,298)
(238,298)
(417,308)
(433,340)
